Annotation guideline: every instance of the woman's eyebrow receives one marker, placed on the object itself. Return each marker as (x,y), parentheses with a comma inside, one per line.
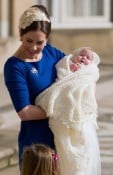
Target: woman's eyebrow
(36,41)
(29,39)
(40,41)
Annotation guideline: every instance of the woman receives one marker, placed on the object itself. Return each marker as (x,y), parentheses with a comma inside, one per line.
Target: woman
(30,71)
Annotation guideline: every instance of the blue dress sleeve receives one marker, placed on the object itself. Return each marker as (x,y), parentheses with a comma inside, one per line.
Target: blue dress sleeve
(15,80)
(57,54)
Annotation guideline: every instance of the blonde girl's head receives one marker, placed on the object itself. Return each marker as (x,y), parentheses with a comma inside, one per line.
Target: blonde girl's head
(39,159)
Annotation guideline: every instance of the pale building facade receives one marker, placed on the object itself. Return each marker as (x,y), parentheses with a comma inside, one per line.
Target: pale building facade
(75,23)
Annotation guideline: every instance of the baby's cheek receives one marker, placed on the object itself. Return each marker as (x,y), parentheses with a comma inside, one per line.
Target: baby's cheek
(76,59)
(87,62)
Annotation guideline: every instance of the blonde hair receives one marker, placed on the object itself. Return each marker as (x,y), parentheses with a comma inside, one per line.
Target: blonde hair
(38,159)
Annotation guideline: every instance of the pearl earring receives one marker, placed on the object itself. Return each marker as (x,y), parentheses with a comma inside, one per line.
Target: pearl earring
(45,44)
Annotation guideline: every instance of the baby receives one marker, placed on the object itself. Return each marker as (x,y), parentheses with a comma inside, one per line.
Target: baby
(73,62)
(85,57)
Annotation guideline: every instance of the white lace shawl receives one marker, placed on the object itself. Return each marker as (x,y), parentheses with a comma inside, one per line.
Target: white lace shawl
(69,103)
(72,97)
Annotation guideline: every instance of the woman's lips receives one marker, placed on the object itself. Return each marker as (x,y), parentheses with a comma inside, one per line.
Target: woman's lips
(33,52)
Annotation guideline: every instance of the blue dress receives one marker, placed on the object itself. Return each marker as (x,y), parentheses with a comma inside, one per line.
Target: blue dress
(26,80)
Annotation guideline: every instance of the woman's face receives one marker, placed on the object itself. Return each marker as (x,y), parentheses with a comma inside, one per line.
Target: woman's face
(33,43)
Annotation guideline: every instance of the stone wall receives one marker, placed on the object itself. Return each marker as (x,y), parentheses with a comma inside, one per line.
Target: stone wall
(99,40)
(7,48)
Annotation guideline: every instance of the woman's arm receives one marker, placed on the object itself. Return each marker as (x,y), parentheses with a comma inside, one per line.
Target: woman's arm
(32,112)
(15,80)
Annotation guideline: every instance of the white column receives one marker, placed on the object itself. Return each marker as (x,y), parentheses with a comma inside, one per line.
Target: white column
(42,2)
(4,26)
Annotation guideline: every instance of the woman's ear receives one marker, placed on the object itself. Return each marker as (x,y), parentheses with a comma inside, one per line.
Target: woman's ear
(45,42)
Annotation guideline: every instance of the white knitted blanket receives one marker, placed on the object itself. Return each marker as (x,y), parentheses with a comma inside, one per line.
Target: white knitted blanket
(69,103)
(71,99)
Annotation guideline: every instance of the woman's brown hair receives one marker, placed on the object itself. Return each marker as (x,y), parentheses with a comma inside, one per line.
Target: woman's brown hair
(43,26)
(38,159)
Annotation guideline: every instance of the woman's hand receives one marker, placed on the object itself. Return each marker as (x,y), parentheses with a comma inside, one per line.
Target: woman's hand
(32,112)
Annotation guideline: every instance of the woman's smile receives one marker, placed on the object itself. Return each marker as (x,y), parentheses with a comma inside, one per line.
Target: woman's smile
(33,52)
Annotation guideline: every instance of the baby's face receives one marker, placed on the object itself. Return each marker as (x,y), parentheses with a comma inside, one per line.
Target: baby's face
(85,56)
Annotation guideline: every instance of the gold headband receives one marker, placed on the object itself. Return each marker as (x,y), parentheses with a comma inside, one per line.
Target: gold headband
(30,15)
